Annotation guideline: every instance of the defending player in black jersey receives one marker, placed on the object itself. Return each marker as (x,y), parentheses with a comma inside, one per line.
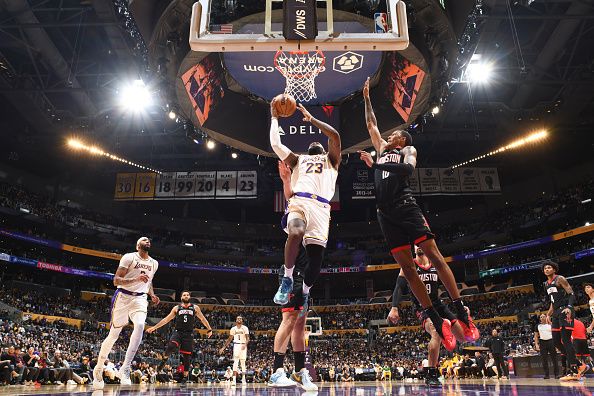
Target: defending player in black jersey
(403,223)
(182,338)
(561,298)
(428,275)
(294,316)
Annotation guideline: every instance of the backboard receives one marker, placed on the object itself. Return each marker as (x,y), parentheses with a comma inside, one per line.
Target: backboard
(206,37)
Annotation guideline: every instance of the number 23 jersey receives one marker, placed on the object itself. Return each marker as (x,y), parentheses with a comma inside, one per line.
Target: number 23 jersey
(314,174)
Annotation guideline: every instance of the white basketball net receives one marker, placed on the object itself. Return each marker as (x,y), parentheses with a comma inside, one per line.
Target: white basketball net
(300,70)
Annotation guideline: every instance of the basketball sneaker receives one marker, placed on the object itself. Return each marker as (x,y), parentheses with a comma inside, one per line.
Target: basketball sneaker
(304,380)
(432,377)
(445,333)
(98,383)
(471,332)
(124,375)
(282,295)
(570,376)
(582,369)
(279,379)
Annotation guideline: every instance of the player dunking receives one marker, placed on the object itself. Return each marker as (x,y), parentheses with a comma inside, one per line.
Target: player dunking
(561,297)
(240,335)
(185,315)
(403,223)
(134,280)
(313,182)
(428,275)
(292,326)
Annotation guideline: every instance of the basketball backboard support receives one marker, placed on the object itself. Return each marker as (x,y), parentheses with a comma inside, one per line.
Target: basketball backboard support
(202,40)
(314,326)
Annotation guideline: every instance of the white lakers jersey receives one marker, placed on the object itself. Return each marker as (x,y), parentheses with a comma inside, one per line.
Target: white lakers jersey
(314,174)
(239,334)
(137,266)
(591,304)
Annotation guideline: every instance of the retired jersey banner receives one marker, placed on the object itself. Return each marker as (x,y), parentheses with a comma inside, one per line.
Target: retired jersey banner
(469,180)
(429,179)
(363,184)
(489,180)
(186,185)
(434,181)
(449,180)
(414,182)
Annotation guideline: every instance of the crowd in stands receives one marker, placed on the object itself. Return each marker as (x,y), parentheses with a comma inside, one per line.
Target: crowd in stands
(564,206)
(55,352)
(339,317)
(63,354)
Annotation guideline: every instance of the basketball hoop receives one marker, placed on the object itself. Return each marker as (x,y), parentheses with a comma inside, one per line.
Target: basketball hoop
(300,69)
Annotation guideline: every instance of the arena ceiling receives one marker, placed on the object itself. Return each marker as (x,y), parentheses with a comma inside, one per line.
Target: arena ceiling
(63,61)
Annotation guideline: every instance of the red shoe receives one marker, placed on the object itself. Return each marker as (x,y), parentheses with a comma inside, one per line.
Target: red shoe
(471,332)
(447,337)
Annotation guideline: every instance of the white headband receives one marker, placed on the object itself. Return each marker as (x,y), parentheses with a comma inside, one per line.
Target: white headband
(140,240)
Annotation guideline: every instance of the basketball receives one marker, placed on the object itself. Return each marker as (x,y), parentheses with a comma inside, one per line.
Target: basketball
(284,104)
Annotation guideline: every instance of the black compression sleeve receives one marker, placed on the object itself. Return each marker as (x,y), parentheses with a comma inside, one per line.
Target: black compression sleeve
(572,299)
(397,294)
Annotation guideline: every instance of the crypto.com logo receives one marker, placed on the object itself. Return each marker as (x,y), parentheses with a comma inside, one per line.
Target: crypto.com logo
(347,63)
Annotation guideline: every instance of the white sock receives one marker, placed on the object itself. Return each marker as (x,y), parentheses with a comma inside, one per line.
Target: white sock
(107,344)
(135,340)
(306,288)
(288,272)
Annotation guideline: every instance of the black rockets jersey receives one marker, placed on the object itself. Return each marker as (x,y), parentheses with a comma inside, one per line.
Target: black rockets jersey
(557,295)
(431,281)
(390,187)
(184,321)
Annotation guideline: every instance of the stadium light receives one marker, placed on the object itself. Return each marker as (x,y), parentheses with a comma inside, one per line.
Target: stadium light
(135,96)
(210,145)
(172,115)
(372,153)
(532,138)
(76,144)
(435,110)
(479,72)
(234,155)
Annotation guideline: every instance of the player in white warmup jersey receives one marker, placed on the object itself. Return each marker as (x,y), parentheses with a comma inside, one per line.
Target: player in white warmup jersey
(134,280)
(313,182)
(240,335)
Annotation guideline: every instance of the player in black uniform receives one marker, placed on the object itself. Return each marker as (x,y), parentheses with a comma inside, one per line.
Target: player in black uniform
(561,298)
(182,338)
(428,275)
(294,313)
(404,225)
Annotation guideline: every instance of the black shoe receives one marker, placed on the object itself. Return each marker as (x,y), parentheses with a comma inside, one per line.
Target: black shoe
(546,377)
(432,381)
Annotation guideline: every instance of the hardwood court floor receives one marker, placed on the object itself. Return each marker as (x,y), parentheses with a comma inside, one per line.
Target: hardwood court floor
(513,387)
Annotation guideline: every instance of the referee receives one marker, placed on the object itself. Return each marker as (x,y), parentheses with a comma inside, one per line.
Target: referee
(543,342)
